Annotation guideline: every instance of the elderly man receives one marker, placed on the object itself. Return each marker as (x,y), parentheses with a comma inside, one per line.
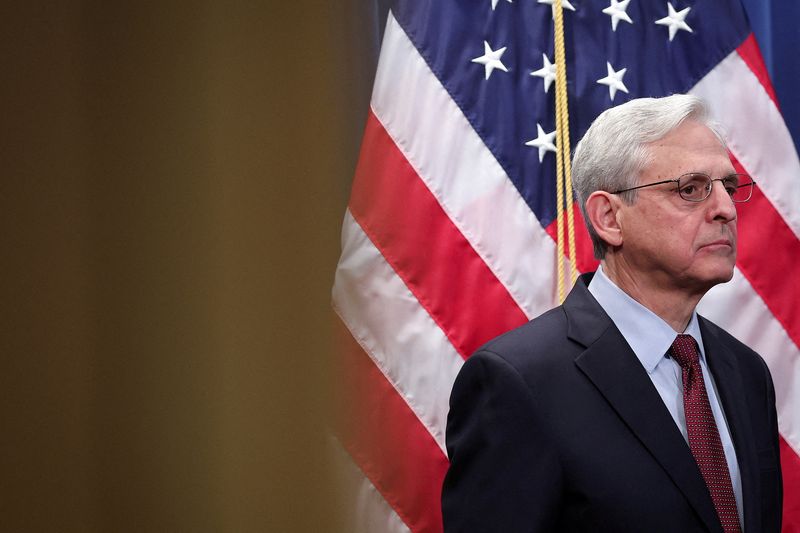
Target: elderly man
(622,409)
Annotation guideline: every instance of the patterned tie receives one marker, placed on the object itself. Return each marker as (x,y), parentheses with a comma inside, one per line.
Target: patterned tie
(704,438)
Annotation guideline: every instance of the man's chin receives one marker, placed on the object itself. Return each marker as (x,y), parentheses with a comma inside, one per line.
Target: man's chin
(718,276)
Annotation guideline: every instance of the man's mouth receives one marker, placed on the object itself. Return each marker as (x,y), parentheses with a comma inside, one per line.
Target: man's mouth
(718,244)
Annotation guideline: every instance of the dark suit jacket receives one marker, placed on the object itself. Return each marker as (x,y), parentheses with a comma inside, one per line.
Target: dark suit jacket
(555,426)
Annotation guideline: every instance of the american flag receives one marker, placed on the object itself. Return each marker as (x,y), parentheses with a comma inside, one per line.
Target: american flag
(448,239)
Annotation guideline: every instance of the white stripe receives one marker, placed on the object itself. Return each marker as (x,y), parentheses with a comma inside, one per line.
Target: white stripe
(753,324)
(463,175)
(756,133)
(361,506)
(394,329)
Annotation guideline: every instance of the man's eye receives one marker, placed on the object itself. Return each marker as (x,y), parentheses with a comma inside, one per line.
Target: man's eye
(688,189)
(731,186)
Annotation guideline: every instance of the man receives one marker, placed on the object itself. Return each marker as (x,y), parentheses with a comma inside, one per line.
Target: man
(622,409)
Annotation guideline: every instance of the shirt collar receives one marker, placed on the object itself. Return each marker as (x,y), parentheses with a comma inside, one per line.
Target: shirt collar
(647,334)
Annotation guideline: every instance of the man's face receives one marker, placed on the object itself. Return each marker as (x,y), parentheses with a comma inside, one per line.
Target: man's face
(676,243)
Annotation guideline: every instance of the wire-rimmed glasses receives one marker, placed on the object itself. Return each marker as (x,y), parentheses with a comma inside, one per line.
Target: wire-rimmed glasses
(696,186)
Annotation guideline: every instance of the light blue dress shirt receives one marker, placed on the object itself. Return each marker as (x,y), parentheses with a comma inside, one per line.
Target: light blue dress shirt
(650,338)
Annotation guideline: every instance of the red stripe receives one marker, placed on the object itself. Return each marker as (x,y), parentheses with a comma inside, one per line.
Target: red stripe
(406,223)
(752,57)
(767,256)
(387,441)
(583,243)
(790,466)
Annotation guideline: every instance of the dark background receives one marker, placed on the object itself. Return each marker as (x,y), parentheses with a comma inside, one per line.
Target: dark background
(174,179)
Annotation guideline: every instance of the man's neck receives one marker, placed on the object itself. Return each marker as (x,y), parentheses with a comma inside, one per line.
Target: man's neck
(673,307)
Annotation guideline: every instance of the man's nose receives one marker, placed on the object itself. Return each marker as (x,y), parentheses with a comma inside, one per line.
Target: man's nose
(721,203)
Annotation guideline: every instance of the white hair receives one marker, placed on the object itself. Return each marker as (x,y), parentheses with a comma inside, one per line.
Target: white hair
(614,150)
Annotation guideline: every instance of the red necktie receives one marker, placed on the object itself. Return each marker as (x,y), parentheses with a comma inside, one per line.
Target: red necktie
(704,438)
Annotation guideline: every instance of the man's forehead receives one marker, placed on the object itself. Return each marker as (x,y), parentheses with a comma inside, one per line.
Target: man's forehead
(691,135)
(691,147)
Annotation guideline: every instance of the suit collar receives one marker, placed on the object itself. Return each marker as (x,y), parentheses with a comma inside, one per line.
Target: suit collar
(586,320)
(648,335)
(610,364)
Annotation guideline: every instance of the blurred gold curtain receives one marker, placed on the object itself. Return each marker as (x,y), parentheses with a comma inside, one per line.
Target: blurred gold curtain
(174,177)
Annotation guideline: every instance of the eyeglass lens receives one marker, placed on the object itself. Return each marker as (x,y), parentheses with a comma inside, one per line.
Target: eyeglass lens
(697,187)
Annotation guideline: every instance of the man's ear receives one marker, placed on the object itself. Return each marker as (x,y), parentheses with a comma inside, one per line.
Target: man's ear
(601,208)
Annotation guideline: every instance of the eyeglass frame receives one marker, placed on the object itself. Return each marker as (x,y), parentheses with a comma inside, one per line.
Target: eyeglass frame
(711,180)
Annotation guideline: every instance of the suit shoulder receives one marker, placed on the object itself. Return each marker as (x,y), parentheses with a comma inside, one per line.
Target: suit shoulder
(538,328)
(534,342)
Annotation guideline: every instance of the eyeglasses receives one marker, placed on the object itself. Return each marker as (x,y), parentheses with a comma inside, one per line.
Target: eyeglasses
(696,186)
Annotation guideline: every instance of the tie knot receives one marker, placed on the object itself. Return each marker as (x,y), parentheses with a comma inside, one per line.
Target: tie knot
(684,351)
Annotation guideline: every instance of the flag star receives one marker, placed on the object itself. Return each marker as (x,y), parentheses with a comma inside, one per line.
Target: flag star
(675,20)
(614,81)
(491,59)
(564,4)
(543,141)
(616,10)
(494,3)
(547,72)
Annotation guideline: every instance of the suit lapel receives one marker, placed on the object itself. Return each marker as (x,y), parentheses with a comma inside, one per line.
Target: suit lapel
(728,380)
(615,370)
